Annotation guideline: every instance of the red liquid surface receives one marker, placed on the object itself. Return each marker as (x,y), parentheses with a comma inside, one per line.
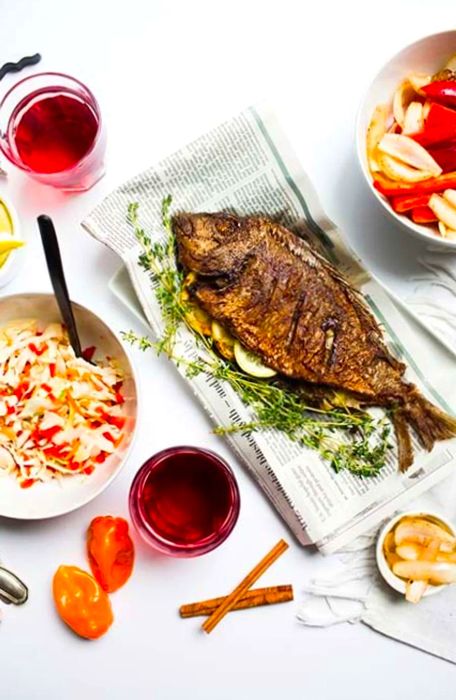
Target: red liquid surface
(54,133)
(186,499)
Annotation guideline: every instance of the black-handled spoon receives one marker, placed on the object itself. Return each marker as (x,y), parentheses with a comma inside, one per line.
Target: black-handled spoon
(54,265)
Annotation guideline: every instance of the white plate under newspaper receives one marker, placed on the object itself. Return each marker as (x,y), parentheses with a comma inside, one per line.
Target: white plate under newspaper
(247,165)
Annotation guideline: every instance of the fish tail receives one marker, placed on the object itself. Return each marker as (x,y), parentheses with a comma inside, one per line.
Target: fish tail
(404,440)
(429,422)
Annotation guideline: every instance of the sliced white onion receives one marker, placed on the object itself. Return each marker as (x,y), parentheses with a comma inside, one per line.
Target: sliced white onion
(450,196)
(414,591)
(426,108)
(402,97)
(444,211)
(418,81)
(409,551)
(375,132)
(408,151)
(397,170)
(446,232)
(437,572)
(414,120)
(422,532)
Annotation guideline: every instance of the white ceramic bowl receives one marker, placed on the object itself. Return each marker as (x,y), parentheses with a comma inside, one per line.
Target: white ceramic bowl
(12,264)
(427,55)
(391,579)
(47,500)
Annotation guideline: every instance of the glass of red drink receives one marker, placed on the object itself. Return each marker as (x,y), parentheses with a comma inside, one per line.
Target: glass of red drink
(184,501)
(51,127)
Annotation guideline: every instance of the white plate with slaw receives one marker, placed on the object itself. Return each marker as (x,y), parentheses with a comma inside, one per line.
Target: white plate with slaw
(51,496)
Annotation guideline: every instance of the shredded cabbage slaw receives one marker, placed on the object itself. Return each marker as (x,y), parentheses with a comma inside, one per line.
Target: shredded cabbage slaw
(59,414)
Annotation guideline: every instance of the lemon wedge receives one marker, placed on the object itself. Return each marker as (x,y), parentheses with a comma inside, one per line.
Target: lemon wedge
(7,243)
(251,363)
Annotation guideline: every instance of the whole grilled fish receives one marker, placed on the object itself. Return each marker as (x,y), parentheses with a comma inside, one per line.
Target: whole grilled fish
(285,302)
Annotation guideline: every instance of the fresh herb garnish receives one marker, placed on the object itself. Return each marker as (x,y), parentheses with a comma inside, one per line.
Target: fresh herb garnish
(348,439)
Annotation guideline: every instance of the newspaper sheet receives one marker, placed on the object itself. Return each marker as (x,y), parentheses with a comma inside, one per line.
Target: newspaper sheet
(246,165)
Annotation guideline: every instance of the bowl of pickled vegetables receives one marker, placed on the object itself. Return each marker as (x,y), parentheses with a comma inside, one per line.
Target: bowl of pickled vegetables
(416,554)
(406,138)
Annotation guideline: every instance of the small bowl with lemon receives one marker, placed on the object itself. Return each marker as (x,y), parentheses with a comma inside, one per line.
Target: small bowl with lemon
(10,241)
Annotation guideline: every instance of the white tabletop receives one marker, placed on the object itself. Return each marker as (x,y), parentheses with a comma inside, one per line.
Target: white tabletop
(164,73)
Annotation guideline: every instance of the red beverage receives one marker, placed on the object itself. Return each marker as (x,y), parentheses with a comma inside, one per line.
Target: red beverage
(184,501)
(53,132)
(50,127)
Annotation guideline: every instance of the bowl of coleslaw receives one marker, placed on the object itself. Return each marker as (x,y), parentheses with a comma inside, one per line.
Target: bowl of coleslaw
(66,423)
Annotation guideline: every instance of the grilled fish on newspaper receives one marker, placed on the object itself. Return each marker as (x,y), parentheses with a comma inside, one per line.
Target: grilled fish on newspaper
(287,304)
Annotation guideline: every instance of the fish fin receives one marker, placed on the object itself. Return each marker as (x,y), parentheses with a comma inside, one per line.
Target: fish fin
(429,422)
(404,440)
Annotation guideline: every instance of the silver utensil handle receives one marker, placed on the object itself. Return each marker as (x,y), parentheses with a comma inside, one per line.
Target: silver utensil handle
(12,589)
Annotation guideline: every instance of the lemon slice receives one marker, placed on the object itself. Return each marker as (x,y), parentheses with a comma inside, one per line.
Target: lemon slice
(224,341)
(251,363)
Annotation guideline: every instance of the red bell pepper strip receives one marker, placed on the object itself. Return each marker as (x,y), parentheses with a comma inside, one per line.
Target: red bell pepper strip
(445,155)
(423,215)
(88,353)
(56,452)
(20,391)
(118,421)
(439,126)
(37,351)
(407,202)
(48,433)
(393,188)
(443,91)
(26,483)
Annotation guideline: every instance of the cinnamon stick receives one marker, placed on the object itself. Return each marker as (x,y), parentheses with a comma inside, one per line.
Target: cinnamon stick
(227,604)
(251,599)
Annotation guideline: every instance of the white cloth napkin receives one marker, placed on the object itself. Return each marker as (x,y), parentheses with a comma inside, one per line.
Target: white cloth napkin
(354,591)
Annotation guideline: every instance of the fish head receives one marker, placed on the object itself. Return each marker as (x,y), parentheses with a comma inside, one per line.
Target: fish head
(211,244)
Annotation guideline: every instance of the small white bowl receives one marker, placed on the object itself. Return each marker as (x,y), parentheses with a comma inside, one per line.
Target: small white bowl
(427,55)
(56,497)
(391,579)
(12,263)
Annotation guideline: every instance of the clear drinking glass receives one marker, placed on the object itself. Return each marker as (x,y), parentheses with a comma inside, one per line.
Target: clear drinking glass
(51,128)
(184,501)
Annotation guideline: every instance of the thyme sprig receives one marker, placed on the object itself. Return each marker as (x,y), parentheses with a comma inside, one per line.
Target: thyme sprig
(347,439)
(158,259)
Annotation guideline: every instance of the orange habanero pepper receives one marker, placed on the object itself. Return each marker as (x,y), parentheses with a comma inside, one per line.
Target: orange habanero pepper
(81,602)
(110,551)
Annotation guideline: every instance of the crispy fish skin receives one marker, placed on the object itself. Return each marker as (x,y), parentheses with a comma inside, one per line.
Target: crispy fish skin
(290,306)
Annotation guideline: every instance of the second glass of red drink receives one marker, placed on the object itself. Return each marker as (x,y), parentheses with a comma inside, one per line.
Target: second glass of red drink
(184,501)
